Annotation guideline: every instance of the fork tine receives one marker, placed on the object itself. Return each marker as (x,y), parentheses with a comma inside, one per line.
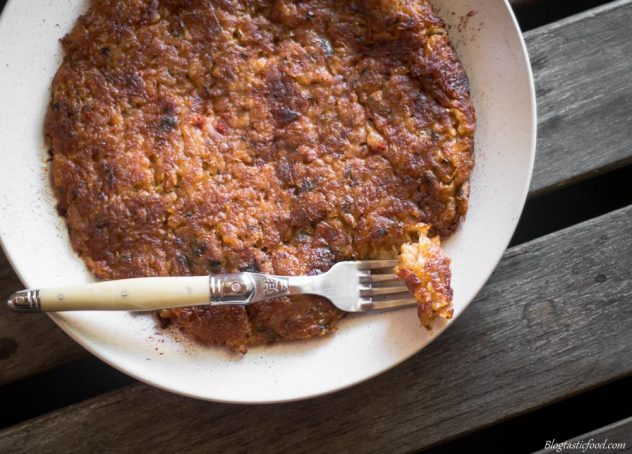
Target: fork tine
(375,291)
(388,304)
(375,264)
(375,278)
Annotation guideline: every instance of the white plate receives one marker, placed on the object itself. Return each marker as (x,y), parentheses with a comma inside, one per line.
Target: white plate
(35,239)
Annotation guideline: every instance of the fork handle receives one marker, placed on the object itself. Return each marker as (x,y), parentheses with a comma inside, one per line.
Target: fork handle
(154,293)
(140,294)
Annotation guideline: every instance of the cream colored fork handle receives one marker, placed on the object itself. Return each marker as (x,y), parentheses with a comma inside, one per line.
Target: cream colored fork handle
(153,293)
(140,294)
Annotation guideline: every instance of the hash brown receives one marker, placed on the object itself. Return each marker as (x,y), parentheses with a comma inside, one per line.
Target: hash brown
(197,137)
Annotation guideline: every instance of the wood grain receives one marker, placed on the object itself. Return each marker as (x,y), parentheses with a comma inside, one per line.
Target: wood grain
(619,432)
(582,70)
(553,320)
(582,108)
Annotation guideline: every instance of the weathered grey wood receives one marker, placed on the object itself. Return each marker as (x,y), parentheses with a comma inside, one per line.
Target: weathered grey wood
(28,343)
(619,432)
(585,101)
(553,320)
(582,69)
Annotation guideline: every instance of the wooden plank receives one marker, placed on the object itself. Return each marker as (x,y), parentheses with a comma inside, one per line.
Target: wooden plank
(553,320)
(29,343)
(614,439)
(567,150)
(582,72)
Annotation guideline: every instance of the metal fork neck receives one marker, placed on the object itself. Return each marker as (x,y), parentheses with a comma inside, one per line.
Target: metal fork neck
(248,288)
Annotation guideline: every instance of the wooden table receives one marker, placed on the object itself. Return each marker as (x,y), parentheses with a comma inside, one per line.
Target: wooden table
(550,332)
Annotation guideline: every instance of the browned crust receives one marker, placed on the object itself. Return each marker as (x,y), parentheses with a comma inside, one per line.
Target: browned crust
(196,137)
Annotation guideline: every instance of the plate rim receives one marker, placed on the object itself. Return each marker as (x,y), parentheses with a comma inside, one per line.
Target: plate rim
(65,325)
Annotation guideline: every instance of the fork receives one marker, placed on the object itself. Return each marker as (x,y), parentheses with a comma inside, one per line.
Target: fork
(359,286)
